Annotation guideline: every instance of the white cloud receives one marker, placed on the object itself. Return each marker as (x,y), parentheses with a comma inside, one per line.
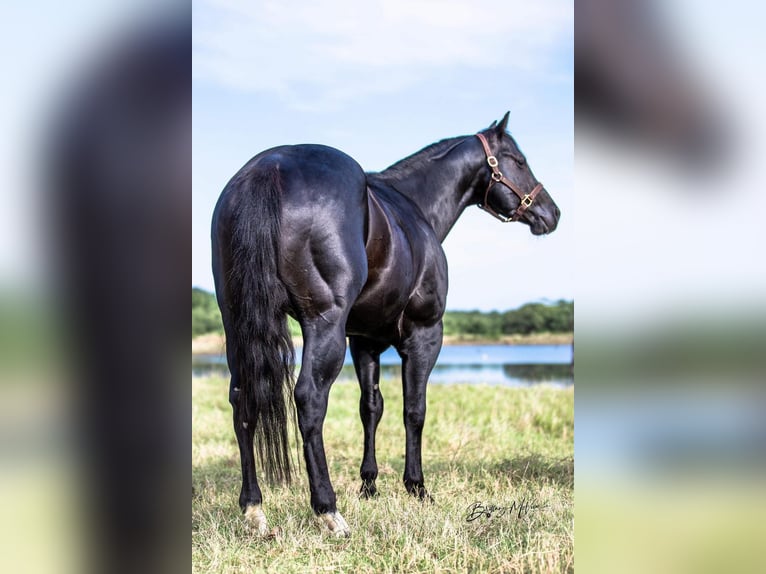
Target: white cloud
(344,48)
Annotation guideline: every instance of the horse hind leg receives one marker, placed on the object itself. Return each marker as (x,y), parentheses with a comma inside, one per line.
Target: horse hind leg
(324,275)
(323,354)
(250,496)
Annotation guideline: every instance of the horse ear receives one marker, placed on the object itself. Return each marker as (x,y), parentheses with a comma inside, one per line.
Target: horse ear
(503,123)
(492,125)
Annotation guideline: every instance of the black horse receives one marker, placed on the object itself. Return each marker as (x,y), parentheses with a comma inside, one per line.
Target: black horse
(303,230)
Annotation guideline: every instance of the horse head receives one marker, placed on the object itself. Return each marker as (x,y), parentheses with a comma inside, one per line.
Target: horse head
(509,190)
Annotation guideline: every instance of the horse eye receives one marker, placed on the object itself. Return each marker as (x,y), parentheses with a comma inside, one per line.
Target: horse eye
(520,161)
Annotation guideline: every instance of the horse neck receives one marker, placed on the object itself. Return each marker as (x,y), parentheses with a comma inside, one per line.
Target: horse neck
(442,187)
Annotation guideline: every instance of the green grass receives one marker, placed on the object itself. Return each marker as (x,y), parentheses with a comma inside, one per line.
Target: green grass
(481,444)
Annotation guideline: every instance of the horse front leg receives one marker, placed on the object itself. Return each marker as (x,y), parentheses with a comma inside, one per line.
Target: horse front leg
(419,352)
(323,354)
(366,356)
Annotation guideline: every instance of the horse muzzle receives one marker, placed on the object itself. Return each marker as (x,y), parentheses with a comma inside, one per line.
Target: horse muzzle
(544,221)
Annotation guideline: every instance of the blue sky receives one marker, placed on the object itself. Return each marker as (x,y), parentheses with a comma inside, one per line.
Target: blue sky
(381,80)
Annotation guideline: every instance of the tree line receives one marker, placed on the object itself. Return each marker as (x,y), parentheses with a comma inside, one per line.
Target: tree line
(530,318)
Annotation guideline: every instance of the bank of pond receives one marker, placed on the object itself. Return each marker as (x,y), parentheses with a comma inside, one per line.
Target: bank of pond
(507,365)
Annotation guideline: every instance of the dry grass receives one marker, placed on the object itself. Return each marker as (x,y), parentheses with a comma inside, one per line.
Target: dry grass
(212,343)
(481,444)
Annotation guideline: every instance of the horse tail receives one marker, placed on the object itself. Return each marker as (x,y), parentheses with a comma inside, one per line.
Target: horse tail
(258,332)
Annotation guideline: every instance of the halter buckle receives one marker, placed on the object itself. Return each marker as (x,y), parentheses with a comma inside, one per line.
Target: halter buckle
(497,176)
(492,161)
(526,201)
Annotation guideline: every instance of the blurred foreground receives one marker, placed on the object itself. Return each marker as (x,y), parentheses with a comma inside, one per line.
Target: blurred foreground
(671,315)
(96,202)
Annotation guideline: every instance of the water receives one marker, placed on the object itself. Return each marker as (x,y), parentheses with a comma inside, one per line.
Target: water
(507,365)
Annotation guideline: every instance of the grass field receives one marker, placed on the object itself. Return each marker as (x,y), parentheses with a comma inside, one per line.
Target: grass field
(510,448)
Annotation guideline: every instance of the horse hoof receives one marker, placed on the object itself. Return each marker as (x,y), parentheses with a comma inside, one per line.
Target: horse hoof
(336,524)
(368,490)
(425,497)
(256,520)
(420,492)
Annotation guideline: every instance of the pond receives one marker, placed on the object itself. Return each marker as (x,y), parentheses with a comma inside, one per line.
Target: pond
(507,365)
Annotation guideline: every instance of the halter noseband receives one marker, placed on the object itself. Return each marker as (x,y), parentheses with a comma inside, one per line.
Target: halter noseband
(497,177)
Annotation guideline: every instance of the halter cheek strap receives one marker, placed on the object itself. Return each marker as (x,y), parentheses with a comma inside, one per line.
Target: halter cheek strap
(497,177)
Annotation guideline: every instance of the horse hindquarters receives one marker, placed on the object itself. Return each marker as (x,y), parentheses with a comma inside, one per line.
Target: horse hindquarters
(323,266)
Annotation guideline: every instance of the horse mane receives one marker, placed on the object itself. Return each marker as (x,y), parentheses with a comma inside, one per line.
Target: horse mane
(418,160)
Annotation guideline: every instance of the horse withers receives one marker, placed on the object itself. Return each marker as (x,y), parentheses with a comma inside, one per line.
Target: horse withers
(303,231)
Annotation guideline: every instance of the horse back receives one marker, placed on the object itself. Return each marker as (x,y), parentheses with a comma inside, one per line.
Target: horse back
(308,175)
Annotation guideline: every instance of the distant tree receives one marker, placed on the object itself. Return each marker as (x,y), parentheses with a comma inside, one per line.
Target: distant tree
(529,318)
(559,318)
(206,317)
(474,323)
(538,317)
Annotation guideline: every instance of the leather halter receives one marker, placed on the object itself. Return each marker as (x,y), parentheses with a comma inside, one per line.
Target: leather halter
(497,177)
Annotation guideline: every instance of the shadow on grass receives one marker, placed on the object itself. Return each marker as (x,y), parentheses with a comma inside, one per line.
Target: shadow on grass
(529,468)
(537,468)
(222,475)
